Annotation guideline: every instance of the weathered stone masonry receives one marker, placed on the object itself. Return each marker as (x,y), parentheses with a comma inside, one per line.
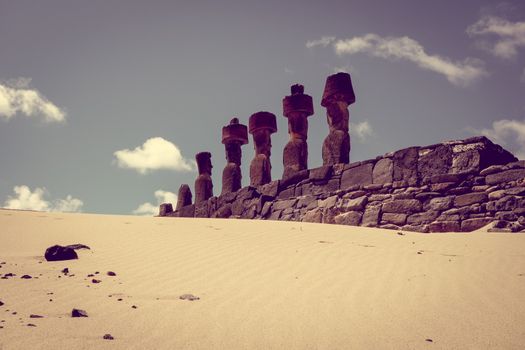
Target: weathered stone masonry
(452,186)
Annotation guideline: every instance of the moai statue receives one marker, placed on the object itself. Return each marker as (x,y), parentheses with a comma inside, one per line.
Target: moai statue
(203,183)
(233,137)
(338,95)
(184,196)
(261,126)
(297,108)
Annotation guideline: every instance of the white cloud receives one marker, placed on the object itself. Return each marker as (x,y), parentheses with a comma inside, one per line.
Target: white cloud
(26,199)
(362,130)
(324,42)
(156,153)
(509,133)
(404,48)
(17,98)
(148,209)
(507,36)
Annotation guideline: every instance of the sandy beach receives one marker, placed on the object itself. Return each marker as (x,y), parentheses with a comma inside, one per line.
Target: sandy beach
(260,284)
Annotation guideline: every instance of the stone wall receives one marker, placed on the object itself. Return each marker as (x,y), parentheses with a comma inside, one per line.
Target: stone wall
(452,186)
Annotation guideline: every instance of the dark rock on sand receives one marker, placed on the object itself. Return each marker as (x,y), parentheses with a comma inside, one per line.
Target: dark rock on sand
(78,313)
(26,277)
(95,281)
(111,273)
(35,316)
(77,246)
(59,253)
(189,297)
(108,337)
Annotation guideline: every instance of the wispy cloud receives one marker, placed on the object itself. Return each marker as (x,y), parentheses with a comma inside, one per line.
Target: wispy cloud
(26,199)
(16,98)
(509,133)
(504,38)
(149,209)
(362,130)
(323,42)
(155,154)
(461,73)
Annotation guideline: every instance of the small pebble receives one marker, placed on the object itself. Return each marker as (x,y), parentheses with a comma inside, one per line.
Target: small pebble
(133,306)
(31,325)
(108,337)
(35,316)
(189,297)
(111,273)
(26,277)
(95,281)
(429,340)
(65,271)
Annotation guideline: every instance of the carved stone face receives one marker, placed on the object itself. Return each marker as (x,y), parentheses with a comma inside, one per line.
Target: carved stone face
(338,116)
(205,166)
(298,126)
(262,142)
(233,152)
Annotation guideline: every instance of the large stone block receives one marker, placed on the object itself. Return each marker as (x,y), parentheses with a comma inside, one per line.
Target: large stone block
(505,176)
(359,175)
(444,226)
(475,154)
(283,204)
(470,198)
(394,218)
(405,165)
(435,161)
(469,225)
(383,171)
(352,218)
(440,203)
(422,218)
(322,173)
(371,216)
(402,206)
(314,215)
(354,204)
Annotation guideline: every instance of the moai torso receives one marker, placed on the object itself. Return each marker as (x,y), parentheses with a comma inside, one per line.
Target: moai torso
(338,95)
(261,126)
(234,136)
(297,108)
(184,196)
(203,183)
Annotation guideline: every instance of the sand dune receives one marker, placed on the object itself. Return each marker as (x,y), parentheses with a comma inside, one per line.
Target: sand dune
(261,284)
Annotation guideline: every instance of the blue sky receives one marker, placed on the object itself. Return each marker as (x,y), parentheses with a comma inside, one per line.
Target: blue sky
(103,104)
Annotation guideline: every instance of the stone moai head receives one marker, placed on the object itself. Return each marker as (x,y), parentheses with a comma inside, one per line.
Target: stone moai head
(204,163)
(261,126)
(337,96)
(234,136)
(297,107)
(203,183)
(184,197)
